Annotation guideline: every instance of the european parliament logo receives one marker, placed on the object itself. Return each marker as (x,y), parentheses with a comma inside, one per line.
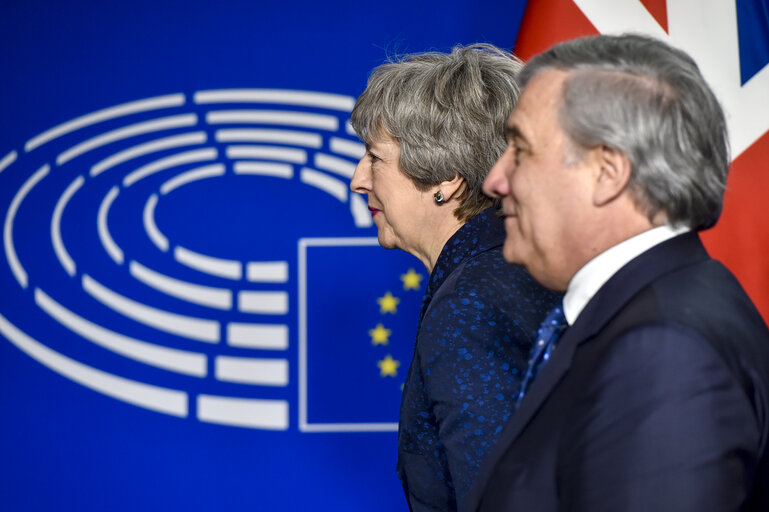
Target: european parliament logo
(201,256)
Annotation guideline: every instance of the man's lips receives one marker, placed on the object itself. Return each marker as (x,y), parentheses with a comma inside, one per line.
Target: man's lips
(508,209)
(373,211)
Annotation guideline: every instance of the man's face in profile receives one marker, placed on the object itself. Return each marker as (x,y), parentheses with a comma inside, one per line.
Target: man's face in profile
(544,195)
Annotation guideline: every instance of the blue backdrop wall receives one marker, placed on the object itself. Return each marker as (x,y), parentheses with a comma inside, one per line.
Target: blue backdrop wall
(193,312)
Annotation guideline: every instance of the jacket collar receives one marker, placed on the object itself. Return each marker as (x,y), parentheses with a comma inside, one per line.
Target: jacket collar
(479,234)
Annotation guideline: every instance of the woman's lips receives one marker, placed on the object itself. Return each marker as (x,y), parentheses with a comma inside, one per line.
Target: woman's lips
(373,211)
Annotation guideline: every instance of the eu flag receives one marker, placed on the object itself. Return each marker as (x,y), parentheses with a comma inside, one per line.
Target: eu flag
(358,333)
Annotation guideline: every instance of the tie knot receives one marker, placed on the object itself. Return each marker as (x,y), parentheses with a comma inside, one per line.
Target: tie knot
(552,326)
(547,336)
(555,320)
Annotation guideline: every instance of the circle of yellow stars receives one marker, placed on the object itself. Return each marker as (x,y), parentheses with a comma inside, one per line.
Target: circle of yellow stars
(380,335)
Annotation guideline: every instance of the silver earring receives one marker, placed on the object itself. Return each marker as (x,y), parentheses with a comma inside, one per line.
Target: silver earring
(439,199)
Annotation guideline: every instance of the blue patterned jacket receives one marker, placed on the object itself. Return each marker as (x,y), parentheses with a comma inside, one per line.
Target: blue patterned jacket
(478,321)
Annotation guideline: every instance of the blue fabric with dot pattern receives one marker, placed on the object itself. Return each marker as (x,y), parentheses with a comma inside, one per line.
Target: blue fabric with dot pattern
(477,325)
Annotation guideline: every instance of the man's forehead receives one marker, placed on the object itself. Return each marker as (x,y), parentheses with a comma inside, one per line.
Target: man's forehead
(539,100)
(544,87)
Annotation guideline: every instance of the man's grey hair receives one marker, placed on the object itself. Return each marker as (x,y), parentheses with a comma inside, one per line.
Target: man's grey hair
(649,101)
(447,111)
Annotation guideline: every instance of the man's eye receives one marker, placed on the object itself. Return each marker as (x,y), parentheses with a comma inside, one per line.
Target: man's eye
(517,154)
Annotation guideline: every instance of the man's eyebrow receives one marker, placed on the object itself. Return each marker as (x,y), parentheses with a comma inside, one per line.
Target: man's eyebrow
(512,133)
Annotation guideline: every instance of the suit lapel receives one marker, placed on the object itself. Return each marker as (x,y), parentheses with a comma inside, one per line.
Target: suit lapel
(670,255)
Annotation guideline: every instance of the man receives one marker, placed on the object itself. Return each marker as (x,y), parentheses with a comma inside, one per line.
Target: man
(656,394)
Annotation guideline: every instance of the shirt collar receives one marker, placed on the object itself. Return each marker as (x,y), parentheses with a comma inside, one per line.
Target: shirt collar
(592,276)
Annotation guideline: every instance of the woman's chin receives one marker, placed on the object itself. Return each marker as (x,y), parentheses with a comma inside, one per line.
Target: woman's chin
(387,241)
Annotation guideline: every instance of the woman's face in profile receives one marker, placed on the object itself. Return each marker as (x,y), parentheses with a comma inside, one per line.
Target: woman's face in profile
(398,208)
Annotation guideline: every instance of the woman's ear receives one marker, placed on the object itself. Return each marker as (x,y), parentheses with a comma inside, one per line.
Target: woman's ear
(451,188)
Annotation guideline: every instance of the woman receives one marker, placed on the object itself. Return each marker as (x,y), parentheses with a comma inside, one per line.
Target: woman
(433,125)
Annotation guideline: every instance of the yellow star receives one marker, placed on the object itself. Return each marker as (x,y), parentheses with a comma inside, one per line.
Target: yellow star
(411,280)
(379,335)
(388,303)
(388,367)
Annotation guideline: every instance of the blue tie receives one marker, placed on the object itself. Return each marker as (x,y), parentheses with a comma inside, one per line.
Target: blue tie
(547,336)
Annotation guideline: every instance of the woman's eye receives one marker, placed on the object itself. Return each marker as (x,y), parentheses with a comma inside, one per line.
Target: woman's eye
(373,158)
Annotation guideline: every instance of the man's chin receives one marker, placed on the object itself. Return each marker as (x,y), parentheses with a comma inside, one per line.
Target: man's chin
(509,254)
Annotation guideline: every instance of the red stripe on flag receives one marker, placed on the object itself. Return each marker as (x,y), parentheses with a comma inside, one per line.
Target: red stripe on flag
(659,11)
(546,22)
(740,240)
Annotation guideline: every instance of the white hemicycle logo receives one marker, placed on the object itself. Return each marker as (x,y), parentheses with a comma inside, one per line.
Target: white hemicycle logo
(198,315)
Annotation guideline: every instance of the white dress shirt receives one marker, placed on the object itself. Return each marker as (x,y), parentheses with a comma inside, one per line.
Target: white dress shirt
(592,276)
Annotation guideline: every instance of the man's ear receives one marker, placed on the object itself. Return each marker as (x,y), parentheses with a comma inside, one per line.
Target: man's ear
(612,176)
(452,187)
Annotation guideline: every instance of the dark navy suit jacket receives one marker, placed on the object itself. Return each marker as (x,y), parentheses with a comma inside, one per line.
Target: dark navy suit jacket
(479,318)
(656,399)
